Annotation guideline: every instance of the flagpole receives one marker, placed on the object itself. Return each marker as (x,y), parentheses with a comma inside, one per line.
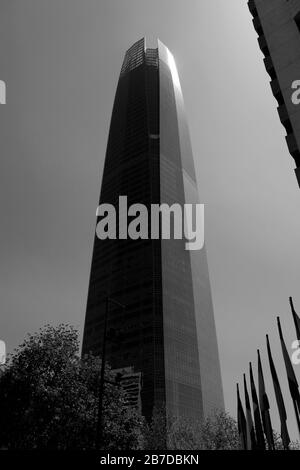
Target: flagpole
(279,399)
(242,426)
(295,318)
(297,415)
(264,405)
(250,427)
(256,412)
(292,381)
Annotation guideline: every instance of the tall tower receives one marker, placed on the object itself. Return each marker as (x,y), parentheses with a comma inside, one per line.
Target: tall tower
(167,330)
(277,23)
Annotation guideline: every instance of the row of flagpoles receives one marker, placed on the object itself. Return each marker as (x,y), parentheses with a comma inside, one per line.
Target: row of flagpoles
(256,433)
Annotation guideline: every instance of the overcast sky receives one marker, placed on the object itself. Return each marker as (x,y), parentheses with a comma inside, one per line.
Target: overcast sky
(61,61)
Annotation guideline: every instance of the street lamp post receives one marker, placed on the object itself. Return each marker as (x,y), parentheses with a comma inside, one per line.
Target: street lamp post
(99,430)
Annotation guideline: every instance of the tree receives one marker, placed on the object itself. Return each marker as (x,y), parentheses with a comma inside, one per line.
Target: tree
(49,397)
(49,400)
(217,432)
(184,434)
(155,431)
(294,445)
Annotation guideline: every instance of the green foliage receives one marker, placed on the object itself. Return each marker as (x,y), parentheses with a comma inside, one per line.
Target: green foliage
(49,397)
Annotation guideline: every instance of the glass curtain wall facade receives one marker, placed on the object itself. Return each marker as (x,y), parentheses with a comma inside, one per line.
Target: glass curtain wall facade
(167,330)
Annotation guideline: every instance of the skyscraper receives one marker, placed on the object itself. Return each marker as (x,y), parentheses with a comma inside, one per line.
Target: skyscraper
(167,330)
(277,23)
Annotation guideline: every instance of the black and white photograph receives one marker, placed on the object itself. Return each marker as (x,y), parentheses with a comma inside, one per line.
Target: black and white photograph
(150,230)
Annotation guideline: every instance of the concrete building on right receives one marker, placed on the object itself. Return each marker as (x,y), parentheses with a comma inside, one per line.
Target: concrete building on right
(277,23)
